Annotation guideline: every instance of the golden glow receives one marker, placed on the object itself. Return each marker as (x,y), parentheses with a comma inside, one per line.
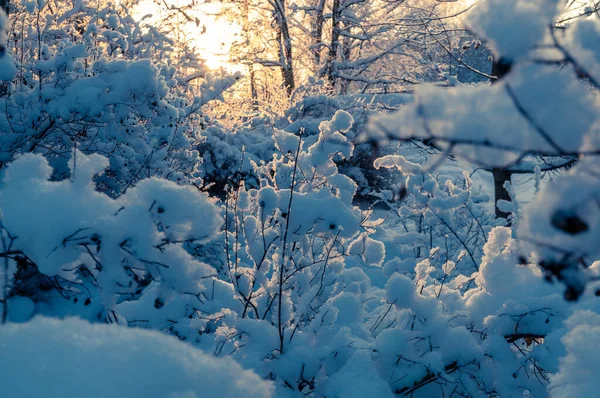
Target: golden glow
(212,36)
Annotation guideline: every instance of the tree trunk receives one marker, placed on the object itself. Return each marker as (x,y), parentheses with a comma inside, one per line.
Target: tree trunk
(253,90)
(346,48)
(335,42)
(500,68)
(285,47)
(4,5)
(500,193)
(318,32)
(251,70)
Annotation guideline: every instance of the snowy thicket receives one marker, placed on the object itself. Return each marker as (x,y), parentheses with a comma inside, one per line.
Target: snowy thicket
(110,249)
(99,81)
(121,202)
(289,296)
(536,109)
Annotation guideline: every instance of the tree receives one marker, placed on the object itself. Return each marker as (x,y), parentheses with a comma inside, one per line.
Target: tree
(535,109)
(266,40)
(362,42)
(367,45)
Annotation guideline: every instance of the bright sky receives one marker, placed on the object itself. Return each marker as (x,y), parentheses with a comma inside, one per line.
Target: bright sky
(213,45)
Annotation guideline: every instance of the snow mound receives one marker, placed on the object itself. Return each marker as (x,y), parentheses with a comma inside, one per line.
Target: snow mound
(358,378)
(65,358)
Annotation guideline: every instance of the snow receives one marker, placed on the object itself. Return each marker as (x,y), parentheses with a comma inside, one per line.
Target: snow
(371,251)
(453,116)
(582,42)
(400,290)
(61,358)
(528,20)
(179,247)
(8,70)
(58,221)
(22,309)
(358,378)
(576,376)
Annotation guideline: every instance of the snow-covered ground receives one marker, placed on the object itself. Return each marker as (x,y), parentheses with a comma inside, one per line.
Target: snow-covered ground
(49,357)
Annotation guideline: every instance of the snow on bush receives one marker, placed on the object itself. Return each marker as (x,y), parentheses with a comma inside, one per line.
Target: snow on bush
(283,273)
(101,250)
(68,358)
(445,219)
(536,108)
(95,79)
(532,17)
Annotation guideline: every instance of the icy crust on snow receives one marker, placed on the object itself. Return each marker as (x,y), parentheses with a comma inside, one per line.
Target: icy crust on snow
(67,358)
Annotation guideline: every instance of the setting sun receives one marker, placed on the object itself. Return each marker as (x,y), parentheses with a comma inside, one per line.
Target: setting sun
(211,36)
